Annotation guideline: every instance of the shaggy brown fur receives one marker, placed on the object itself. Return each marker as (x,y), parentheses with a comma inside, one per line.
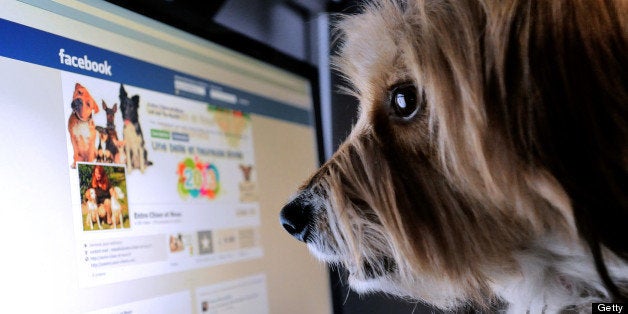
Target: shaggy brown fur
(507,180)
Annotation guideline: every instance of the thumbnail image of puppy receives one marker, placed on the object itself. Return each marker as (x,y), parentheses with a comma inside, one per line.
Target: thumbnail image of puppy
(116,208)
(489,162)
(92,209)
(81,125)
(136,154)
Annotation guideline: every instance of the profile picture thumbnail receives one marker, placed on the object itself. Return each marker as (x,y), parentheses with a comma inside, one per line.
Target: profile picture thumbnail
(103,197)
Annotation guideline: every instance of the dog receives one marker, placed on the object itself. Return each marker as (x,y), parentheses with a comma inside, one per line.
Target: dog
(246,172)
(103,155)
(92,209)
(116,207)
(81,125)
(489,161)
(113,146)
(247,187)
(136,154)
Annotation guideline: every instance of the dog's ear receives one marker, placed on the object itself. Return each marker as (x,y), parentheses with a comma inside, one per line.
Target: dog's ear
(104,105)
(123,93)
(136,100)
(115,108)
(92,103)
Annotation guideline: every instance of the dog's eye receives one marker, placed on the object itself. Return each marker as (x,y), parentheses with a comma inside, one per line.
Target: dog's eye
(404,102)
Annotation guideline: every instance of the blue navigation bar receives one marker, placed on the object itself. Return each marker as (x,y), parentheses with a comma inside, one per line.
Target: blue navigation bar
(35,46)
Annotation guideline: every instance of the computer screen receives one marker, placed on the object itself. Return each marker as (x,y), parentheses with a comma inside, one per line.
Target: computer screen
(144,169)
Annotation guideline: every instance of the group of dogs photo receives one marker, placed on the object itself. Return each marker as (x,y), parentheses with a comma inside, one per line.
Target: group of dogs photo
(488,167)
(97,143)
(103,203)
(98,150)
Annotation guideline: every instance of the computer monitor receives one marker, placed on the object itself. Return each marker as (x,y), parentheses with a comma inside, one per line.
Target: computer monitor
(144,168)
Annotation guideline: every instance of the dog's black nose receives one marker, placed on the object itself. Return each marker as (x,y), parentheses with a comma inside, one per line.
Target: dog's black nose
(296,218)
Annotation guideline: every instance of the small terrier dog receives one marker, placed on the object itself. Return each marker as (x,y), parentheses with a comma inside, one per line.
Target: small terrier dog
(489,162)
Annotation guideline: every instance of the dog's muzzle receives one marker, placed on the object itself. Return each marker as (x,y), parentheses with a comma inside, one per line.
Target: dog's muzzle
(297,217)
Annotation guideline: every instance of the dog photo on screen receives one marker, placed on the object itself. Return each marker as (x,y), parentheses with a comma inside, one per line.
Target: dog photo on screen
(103,197)
(134,143)
(489,162)
(81,125)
